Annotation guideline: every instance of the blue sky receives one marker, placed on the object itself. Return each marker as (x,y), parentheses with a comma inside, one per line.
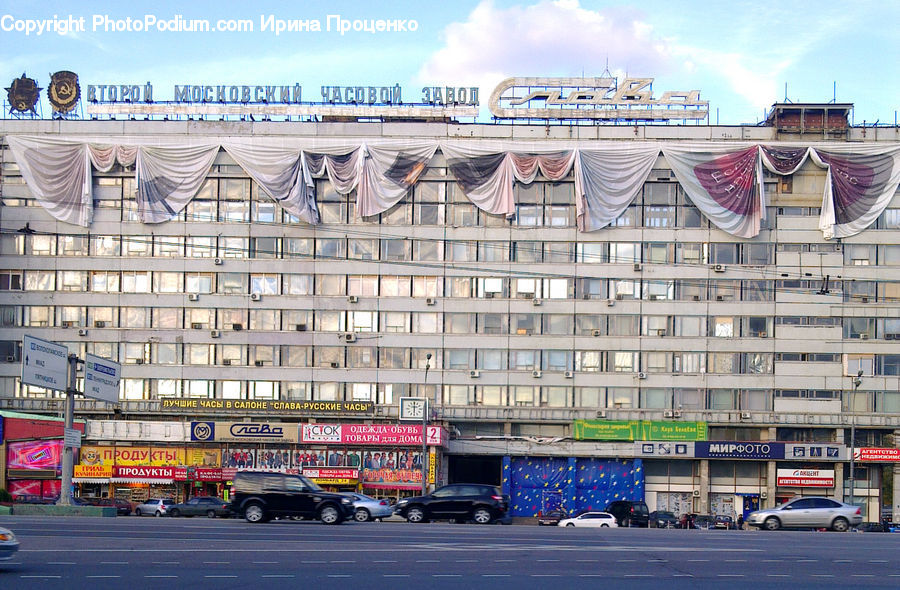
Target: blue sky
(742,55)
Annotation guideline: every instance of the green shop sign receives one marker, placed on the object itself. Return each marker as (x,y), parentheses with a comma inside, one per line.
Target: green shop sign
(639,430)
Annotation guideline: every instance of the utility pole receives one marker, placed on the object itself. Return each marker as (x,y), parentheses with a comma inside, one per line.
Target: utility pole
(425,428)
(857,381)
(68,458)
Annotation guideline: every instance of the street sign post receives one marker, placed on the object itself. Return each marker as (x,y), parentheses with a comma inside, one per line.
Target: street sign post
(101,378)
(44,364)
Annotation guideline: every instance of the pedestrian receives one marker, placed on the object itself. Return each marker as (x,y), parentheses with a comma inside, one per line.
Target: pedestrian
(740,522)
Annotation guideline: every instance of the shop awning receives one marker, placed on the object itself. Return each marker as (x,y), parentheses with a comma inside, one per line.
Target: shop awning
(139,480)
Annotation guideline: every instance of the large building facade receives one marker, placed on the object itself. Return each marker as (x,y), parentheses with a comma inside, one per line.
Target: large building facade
(563,295)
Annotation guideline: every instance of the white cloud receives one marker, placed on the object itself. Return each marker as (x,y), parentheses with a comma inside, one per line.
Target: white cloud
(544,39)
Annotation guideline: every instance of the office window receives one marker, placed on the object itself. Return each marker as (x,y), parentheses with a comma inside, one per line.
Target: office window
(428,250)
(137,246)
(362,249)
(329,356)
(458,251)
(525,288)
(233,283)
(591,252)
(459,287)
(559,252)
(298,320)
(493,251)
(658,290)
(298,247)
(491,359)
(134,317)
(264,284)
(362,286)
(656,325)
(590,324)
(393,358)
(524,360)
(331,285)
(331,248)
(362,321)
(722,327)
(168,282)
(200,246)
(264,248)
(558,360)
(758,362)
(558,324)
(528,251)
(621,397)
(135,282)
(73,280)
(40,245)
(295,284)
(624,325)
(523,395)
(492,323)
(623,361)
(859,254)
(234,248)
(168,246)
(73,245)
(691,326)
(757,254)
(426,323)
(588,360)
(687,253)
(106,245)
(196,319)
(295,356)
(38,316)
(624,289)
(624,252)
(395,321)
(362,357)
(724,362)
(590,397)
(491,395)
(330,321)
(265,319)
(456,359)
(689,362)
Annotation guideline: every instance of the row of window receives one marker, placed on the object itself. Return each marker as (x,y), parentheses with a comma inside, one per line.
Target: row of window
(504,287)
(473,359)
(486,323)
(479,395)
(393,249)
(545,204)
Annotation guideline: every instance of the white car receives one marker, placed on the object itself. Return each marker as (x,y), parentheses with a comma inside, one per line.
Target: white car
(591,519)
(154,507)
(8,544)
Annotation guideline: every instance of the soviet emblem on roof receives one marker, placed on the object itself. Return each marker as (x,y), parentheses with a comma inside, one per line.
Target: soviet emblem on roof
(22,95)
(64,91)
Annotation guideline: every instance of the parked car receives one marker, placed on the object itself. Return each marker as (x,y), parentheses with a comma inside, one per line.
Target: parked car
(260,496)
(629,513)
(366,508)
(703,521)
(8,544)
(663,519)
(154,507)
(808,512)
(481,503)
(591,519)
(722,521)
(208,506)
(872,527)
(123,507)
(551,517)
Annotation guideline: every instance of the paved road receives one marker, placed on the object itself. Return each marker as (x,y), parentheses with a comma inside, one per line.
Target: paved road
(101,553)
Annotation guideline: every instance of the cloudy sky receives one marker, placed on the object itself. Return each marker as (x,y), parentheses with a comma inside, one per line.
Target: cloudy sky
(742,55)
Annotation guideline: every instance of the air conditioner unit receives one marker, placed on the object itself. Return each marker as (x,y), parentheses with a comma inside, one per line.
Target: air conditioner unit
(596,332)
(218,262)
(196,326)
(610,302)
(300,327)
(83,332)
(193,297)
(720,298)
(718,268)
(637,266)
(349,337)
(99,324)
(255,297)
(695,298)
(536,374)
(695,493)
(215,334)
(864,300)
(763,495)
(660,332)
(601,413)
(669,414)
(68,324)
(642,375)
(259,363)
(536,301)
(237,327)
(620,296)
(334,365)
(763,334)
(861,336)
(430,301)
(353,299)
(569,375)
(745,415)
(226,362)
(474,373)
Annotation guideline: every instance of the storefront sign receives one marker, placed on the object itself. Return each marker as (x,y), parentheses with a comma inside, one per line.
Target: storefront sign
(876,454)
(371,434)
(815,452)
(244,432)
(332,476)
(806,478)
(152,456)
(95,471)
(273,407)
(739,450)
(639,430)
(143,472)
(664,449)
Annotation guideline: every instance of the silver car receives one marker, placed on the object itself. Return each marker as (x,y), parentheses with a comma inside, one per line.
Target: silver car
(154,507)
(807,512)
(8,544)
(366,508)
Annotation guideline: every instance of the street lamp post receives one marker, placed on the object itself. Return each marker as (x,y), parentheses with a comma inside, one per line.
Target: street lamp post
(425,428)
(857,381)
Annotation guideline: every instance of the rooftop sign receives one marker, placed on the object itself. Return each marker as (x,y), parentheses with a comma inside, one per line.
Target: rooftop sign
(592,98)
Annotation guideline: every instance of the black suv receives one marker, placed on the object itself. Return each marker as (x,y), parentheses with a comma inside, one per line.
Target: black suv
(259,496)
(629,513)
(460,502)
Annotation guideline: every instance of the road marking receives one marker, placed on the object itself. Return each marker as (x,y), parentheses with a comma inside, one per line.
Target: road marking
(384,561)
(264,562)
(638,575)
(164,562)
(219,576)
(104,576)
(772,560)
(843,561)
(878,561)
(446,575)
(730,575)
(494,575)
(160,576)
(593,575)
(863,575)
(736,560)
(278,575)
(428,561)
(49,577)
(544,575)
(822,575)
(466,561)
(395,575)
(216,562)
(315,561)
(113,563)
(504,560)
(343,561)
(779,575)
(683,575)
(698,560)
(338,575)
(807,560)
(625,560)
